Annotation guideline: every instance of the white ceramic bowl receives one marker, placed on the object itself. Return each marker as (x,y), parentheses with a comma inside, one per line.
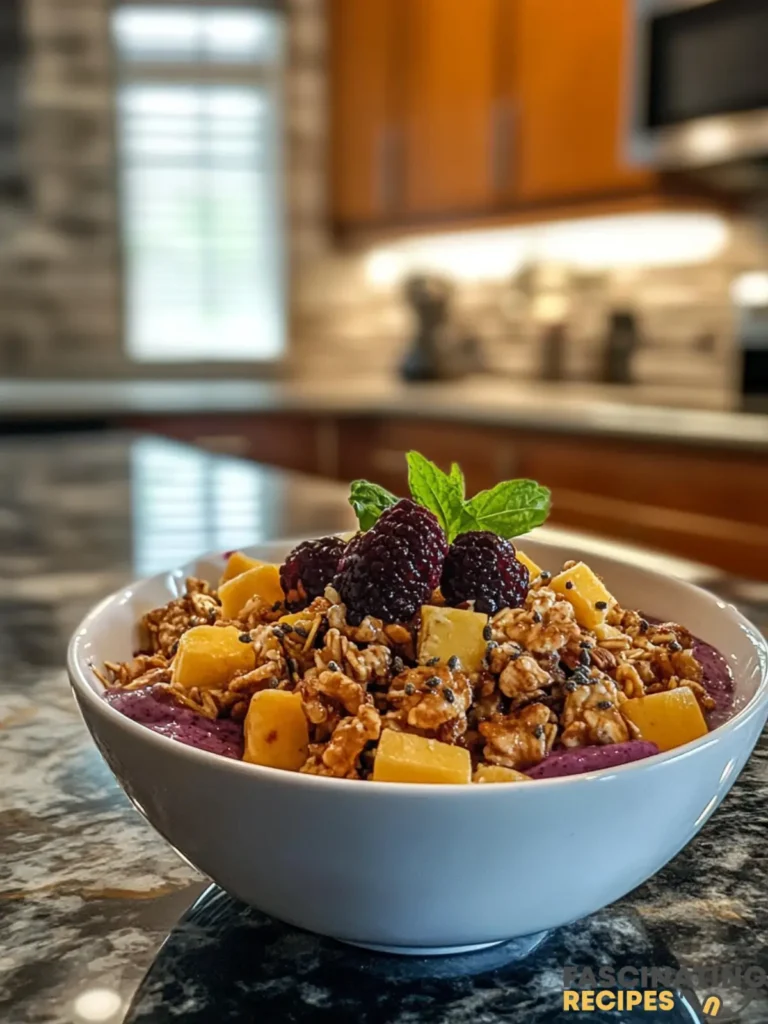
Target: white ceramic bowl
(418,867)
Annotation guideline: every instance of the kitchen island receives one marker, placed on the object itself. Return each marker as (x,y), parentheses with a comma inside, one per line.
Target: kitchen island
(689,481)
(90,893)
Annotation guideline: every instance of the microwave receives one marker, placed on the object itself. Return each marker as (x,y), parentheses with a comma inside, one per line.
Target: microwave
(698,86)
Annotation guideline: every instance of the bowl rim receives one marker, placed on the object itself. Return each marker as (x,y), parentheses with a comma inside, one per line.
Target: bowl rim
(77,664)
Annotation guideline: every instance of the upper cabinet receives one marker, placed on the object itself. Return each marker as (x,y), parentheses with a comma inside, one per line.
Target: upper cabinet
(449,77)
(569,99)
(365,120)
(451,109)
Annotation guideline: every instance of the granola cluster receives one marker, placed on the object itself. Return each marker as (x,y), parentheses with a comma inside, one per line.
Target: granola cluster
(545,682)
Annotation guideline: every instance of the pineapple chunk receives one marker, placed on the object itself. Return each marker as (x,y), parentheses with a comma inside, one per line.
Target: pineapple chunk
(238,563)
(495,773)
(448,631)
(263,582)
(587,593)
(533,569)
(402,757)
(208,656)
(668,719)
(276,731)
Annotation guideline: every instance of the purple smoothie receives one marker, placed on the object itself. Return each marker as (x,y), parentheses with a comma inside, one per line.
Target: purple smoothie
(222,736)
(578,760)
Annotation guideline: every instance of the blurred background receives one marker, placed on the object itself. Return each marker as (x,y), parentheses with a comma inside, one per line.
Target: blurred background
(529,235)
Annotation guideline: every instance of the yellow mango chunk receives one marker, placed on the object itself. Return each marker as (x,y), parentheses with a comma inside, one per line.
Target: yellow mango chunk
(533,569)
(208,656)
(238,563)
(495,773)
(668,719)
(448,631)
(586,592)
(263,582)
(294,617)
(276,731)
(402,757)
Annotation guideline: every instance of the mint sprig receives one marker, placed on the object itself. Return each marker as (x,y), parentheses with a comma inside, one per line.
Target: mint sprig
(369,501)
(508,509)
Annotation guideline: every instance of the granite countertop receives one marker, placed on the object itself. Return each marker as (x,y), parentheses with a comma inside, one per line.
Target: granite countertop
(101,921)
(642,413)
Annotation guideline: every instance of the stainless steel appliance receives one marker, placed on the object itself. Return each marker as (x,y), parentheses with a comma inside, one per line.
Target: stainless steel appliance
(698,88)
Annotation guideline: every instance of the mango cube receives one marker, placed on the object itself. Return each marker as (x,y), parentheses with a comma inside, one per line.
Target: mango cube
(263,582)
(533,569)
(495,773)
(587,594)
(276,732)
(208,657)
(238,563)
(448,631)
(402,757)
(668,719)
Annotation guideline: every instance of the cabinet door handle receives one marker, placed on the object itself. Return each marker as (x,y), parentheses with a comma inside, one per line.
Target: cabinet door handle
(501,144)
(388,168)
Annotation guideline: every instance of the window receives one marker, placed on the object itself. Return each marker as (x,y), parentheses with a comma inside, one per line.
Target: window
(198,125)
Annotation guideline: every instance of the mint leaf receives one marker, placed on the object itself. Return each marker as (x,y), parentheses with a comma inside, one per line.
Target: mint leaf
(510,508)
(369,501)
(441,493)
(458,477)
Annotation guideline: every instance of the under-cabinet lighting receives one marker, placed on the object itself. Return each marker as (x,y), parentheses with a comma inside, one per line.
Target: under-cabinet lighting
(598,243)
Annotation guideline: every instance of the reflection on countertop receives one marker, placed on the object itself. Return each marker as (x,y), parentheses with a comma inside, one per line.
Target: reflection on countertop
(652,413)
(89,892)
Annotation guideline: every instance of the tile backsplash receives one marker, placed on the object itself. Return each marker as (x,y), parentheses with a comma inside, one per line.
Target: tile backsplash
(60,273)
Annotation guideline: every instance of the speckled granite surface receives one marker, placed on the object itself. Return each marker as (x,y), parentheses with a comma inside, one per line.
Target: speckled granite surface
(89,893)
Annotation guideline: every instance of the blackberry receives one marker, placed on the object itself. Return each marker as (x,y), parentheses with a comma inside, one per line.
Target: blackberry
(392,569)
(308,569)
(482,567)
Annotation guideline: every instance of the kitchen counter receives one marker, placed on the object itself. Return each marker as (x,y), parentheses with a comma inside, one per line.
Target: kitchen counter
(641,413)
(102,921)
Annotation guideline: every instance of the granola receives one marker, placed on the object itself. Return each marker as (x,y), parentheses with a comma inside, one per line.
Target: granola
(545,683)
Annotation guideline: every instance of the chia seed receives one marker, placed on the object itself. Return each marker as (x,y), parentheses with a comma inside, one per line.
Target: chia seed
(604,705)
(449,694)
(491,645)
(277,606)
(333,666)
(244,638)
(601,605)
(176,646)
(644,626)
(569,585)
(397,664)
(546,575)
(536,616)
(408,689)
(433,661)
(570,686)
(300,631)
(293,665)
(675,646)
(584,659)
(274,682)
(278,632)
(487,632)
(585,645)
(453,662)
(286,628)
(538,732)
(433,681)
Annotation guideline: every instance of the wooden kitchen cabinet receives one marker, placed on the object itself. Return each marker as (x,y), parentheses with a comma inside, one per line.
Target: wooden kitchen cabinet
(568,101)
(449,69)
(366,174)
